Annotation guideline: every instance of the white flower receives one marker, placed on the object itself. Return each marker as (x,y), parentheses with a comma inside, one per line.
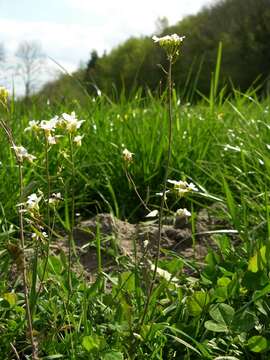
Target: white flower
(36,236)
(78,140)
(173,39)
(183,213)
(127,155)
(145,243)
(182,187)
(49,125)
(171,44)
(192,187)
(32,202)
(55,198)
(32,126)
(153,213)
(177,183)
(22,154)
(233,148)
(51,140)
(70,122)
(161,194)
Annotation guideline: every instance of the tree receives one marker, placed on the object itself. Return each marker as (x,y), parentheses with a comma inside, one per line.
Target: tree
(31,60)
(2,63)
(2,53)
(161,24)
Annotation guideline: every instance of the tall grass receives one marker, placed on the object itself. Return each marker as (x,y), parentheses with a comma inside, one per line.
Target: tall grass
(217,311)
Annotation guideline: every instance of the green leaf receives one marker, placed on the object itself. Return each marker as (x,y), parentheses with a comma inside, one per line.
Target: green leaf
(113,355)
(128,281)
(261,293)
(55,265)
(244,321)
(255,281)
(214,326)
(90,343)
(185,343)
(221,293)
(258,261)
(222,313)
(226,358)
(11,298)
(197,302)
(223,281)
(230,202)
(257,344)
(173,266)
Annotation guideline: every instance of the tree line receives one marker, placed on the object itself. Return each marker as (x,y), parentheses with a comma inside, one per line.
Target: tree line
(28,66)
(243,28)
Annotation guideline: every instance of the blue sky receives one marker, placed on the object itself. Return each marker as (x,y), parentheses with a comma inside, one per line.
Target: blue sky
(69,29)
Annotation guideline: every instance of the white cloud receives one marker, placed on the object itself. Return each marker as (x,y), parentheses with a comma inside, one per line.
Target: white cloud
(98,25)
(140,14)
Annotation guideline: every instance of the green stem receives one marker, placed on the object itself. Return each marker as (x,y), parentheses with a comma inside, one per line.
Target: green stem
(160,222)
(24,270)
(48,179)
(71,244)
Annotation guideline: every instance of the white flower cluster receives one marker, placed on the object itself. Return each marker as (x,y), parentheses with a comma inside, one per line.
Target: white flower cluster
(39,235)
(181,188)
(31,205)
(183,213)
(127,155)
(173,39)
(55,198)
(68,122)
(22,154)
(171,44)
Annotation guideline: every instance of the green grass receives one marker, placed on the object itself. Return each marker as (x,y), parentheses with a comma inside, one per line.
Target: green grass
(218,312)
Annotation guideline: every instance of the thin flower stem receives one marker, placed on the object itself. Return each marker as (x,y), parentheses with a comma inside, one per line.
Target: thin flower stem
(71,245)
(24,270)
(15,351)
(22,259)
(72,184)
(163,197)
(48,180)
(135,189)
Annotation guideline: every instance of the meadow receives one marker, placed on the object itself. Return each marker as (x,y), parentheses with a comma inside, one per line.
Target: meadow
(212,308)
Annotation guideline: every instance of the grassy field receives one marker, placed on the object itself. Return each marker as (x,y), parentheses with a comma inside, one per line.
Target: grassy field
(215,310)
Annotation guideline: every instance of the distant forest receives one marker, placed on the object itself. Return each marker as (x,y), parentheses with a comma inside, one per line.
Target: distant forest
(241,26)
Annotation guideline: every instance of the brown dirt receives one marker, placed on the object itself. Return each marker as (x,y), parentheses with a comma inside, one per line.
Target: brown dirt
(120,237)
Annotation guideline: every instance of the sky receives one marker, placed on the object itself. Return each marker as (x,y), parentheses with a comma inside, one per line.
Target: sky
(69,29)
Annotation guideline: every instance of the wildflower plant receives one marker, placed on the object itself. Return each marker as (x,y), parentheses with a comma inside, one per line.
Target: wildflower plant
(60,127)
(171,44)
(22,155)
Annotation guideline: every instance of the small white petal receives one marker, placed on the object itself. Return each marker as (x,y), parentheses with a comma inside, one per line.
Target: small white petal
(153,213)
(183,213)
